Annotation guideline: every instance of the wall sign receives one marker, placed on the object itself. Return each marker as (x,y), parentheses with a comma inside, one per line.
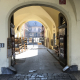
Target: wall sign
(41,39)
(62,1)
(1,45)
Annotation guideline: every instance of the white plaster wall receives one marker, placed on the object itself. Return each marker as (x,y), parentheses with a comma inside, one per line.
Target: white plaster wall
(7,6)
(76,36)
(4,61)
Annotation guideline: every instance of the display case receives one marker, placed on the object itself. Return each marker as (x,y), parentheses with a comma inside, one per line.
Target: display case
(12,37)
(13,50)
(25,41)
(17,49)
(9,47)
(63,45)
(62,39)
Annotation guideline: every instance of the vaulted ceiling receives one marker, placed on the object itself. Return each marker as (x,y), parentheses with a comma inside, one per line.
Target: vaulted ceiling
(45,15)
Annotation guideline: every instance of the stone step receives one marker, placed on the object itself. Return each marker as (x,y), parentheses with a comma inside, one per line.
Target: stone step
(43,76)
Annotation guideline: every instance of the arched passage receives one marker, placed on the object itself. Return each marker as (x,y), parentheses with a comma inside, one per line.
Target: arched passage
(53,4)
(55,7)
(35,13)
(45,5)
(34,18)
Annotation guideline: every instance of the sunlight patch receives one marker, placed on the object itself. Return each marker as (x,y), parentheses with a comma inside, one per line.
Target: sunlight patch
(27,54)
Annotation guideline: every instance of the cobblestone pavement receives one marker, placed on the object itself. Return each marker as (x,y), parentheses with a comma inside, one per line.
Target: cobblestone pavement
(41,76)
(46,66)
(5,77)
(37,59)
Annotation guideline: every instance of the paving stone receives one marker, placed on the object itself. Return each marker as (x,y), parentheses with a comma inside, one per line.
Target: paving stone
(37,78)
(31,79)
(49,78)
(41,76)
(44,78)
(23,75)
(38,75)
(68,79)
(54,79)
(60,79)
(45,74)
(21,79)
(50,74)
(12,79)
(34,74)
(32,70)
(29,75)
(65,77)
(25,79)
(15,79)
(18,75)
(72,77)
(61,73)
(57,77)
(75,79)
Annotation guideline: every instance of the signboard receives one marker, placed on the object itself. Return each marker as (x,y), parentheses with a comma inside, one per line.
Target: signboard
(41,39)
(62,1)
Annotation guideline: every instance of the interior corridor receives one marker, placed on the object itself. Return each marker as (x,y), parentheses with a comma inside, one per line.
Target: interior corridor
(39,59)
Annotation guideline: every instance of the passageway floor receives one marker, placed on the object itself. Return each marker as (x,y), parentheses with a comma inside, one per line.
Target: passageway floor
(38,59)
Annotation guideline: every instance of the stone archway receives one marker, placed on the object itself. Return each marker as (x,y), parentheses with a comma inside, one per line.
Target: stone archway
(15,5)
(52,6)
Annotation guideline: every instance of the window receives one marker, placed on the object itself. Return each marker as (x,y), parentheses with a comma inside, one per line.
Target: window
(30,34)
(39,30)
(30,29)
(34,29)
(38,34)
(35,34)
